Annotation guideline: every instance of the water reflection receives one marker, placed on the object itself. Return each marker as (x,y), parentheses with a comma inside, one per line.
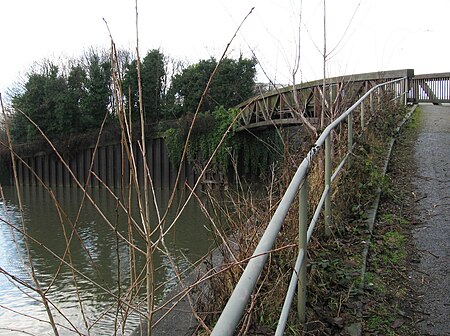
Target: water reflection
(94,252)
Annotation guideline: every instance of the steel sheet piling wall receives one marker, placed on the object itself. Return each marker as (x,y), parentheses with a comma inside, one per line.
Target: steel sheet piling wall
(102,172)
(157,163)
(81,167)
(110,164)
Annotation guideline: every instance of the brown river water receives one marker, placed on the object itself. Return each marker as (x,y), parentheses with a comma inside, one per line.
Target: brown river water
(94,253)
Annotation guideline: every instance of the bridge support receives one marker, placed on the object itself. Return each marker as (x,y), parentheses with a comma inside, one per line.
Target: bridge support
(302,244)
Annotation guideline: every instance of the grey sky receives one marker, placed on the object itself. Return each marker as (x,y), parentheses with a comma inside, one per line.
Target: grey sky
(370,35)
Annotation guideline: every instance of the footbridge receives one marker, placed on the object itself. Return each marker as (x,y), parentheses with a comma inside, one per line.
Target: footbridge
(293,104)
(354,100)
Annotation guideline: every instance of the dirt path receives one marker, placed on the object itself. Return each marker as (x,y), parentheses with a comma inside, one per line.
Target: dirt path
(432,237)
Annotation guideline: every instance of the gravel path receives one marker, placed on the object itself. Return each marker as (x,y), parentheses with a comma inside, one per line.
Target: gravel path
(432,193)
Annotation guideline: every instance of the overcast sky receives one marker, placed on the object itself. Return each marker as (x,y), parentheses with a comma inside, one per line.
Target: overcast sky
(363,35)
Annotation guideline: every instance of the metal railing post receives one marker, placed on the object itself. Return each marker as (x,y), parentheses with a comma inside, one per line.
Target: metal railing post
(362,115)
(328,183)
(350,138)
(371,103)
(302,244)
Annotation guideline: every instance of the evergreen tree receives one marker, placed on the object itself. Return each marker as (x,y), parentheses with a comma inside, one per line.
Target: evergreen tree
(78,100)
(76,96)
(43,102)
(63,104)
(97,101)
(130,89)
(232,84)
(153,75)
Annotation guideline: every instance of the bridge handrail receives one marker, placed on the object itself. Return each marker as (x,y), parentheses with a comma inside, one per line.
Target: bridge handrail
(233,311)
(438,75)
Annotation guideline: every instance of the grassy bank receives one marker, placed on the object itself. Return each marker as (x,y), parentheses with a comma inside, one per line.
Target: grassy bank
(388,302)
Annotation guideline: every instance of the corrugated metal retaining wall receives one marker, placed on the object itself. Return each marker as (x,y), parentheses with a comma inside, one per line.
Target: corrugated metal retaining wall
(110,165)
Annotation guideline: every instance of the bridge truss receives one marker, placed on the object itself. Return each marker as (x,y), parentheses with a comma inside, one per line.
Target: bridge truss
(284,106)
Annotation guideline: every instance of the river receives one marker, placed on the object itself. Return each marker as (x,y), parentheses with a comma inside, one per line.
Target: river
(95,253)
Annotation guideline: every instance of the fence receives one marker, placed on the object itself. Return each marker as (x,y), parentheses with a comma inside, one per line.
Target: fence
(234,309)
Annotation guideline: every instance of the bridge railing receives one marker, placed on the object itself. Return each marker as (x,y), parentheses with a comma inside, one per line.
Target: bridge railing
(281,106)
(234,309)
(430,88)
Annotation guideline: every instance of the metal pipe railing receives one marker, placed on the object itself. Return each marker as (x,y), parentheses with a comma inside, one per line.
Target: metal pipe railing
(234,309)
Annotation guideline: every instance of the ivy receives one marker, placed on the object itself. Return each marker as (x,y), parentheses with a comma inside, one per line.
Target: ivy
(206,135)
(256,153)
(174,145)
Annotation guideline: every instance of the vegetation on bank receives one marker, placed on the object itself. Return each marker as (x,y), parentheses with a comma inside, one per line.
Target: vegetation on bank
(336,302)
(75,96)
(389,301)
(214,136)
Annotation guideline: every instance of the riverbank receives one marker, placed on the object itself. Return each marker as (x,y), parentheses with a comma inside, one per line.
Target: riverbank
(399,272)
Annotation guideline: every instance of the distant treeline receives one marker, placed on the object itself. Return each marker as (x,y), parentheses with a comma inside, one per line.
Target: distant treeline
(74,96)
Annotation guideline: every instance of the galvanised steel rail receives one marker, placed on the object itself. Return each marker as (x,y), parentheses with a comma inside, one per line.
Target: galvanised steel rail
(234,309)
